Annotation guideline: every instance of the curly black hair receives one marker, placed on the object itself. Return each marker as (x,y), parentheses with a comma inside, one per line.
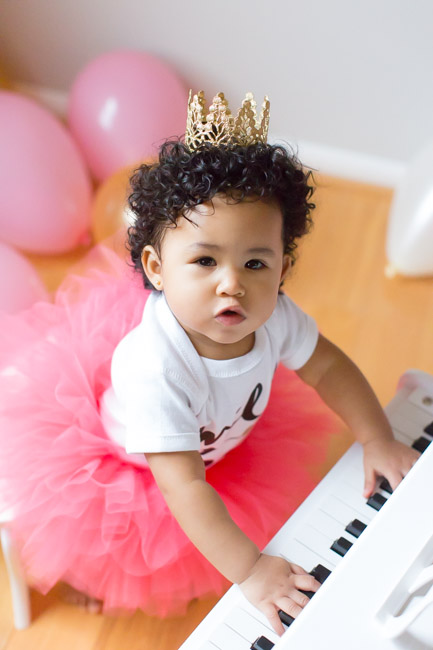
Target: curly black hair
(182,179)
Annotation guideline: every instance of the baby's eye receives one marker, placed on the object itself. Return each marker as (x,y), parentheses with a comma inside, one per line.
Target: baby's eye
(255,265)
(206,261)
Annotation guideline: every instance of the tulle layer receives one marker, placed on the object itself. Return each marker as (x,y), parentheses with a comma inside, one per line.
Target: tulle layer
(83,513)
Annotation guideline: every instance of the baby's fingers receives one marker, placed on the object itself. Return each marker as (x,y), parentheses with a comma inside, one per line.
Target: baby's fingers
(369,482)
(304,582)
(396,475)
(410,461)
(288,606)
(298,598)
(394,479)
(292,604)
(271,613)
(298,570)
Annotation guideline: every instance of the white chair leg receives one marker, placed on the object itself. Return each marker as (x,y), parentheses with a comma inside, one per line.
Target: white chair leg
(18,585)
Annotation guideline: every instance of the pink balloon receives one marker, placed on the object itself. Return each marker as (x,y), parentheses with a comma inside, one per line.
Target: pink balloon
(20,285)
(122,106)
(44,186)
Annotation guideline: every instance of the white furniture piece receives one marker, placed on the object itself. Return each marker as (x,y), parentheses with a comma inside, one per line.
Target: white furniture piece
(379,593)
(409,239)
(18,586)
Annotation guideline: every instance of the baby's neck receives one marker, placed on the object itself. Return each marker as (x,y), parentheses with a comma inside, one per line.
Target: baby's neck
(224,351)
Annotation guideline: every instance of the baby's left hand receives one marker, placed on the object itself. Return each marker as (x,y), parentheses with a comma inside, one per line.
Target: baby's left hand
(388,458)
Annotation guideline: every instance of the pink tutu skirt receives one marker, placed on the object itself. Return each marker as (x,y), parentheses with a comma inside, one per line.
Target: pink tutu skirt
(84,514)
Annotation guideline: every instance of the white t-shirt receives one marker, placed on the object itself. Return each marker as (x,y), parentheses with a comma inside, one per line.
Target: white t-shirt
(165,397)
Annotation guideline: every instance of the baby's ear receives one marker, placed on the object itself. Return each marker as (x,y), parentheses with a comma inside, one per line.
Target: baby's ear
(152,266)
(287,265)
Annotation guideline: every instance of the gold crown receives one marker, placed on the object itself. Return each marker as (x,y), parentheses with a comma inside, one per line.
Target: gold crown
(220,127)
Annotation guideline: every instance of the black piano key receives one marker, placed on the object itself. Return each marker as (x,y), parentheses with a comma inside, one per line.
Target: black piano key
(429,429)
(376,501)
(355,527)
(262,643)
(341,546)
(385,486)
(309,594)
(320,573)
(421,444)
(285,618)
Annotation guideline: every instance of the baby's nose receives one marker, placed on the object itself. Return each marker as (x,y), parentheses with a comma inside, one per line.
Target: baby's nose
(230,284)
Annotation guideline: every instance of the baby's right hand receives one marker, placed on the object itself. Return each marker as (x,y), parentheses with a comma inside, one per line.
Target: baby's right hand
(274,584)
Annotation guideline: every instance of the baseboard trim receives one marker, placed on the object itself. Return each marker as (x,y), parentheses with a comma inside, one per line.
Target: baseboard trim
(353,165)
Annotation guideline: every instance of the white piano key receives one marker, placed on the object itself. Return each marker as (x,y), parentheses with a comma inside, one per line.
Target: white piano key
(255,613)
(301,555)
(354,478)
(225,638)
(422,400)
(354,499)
(356,467)
(407,429)
(401,437)
(249,626)
(286,545)
(357,482)
(327,525)
(415,419)
(342,511)
(319,544)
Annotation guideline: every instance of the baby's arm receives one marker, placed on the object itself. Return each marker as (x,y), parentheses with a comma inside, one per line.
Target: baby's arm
(344,388)
(269,582)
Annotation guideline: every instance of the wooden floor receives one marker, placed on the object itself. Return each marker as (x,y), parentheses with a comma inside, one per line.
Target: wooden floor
(385,325)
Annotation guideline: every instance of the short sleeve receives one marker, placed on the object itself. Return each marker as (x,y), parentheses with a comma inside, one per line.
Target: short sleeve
(296,332)
(159,417)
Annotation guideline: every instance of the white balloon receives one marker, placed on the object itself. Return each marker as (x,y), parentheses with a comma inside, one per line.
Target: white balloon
(409,244)
(20,285)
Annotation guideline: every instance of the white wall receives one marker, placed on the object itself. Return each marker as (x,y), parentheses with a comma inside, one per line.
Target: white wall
(350,81)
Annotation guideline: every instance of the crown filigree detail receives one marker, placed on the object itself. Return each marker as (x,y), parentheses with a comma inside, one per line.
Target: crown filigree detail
(220,127)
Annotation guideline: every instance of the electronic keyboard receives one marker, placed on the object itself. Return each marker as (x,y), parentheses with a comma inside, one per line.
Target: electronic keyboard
(373,557)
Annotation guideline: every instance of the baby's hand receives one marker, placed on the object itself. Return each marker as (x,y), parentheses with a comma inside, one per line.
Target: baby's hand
(274,584)
(388,458)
